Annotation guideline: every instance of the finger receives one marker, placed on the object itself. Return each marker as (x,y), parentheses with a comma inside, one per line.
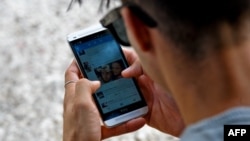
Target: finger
(147,90)
(127,127)
(84,91)
(71,74)
(88,120)
(134,70)
(130,55)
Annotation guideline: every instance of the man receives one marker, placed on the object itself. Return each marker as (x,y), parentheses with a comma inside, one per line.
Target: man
(192,63)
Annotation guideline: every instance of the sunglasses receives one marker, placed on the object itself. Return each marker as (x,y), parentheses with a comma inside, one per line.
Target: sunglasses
(113,21)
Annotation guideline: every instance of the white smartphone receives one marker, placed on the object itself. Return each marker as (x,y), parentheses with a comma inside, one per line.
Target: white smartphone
(100,57)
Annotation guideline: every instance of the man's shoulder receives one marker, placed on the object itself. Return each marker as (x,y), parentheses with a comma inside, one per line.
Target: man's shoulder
(213,128)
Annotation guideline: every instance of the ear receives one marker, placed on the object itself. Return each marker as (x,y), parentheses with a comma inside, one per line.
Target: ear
(138,32)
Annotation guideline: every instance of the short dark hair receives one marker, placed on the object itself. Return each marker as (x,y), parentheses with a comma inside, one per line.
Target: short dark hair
(188,23)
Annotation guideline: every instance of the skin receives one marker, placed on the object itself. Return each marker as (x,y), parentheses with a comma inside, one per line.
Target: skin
(75,120)
(81,117)
(179,93)
(216,84)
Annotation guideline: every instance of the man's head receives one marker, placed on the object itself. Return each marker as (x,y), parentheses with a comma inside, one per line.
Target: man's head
(185,30)
(188,23)
(199,50)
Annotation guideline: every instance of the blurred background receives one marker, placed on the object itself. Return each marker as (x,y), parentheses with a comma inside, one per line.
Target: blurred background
(33,57)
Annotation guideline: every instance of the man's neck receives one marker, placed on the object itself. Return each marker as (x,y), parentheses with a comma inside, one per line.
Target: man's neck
(220,83)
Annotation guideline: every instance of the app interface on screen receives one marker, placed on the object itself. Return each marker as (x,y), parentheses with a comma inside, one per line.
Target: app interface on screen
(102,60)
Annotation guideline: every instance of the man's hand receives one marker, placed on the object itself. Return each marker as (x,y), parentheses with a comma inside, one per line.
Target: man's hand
(163,111)
(81,120)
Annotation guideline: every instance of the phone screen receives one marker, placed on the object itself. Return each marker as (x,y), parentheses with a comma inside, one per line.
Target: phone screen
(100,57)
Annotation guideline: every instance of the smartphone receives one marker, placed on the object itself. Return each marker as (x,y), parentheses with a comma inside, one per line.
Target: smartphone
(100,57)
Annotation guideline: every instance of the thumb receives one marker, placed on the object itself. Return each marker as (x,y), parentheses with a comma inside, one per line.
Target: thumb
(94,85)
(135,70)
(84,90)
